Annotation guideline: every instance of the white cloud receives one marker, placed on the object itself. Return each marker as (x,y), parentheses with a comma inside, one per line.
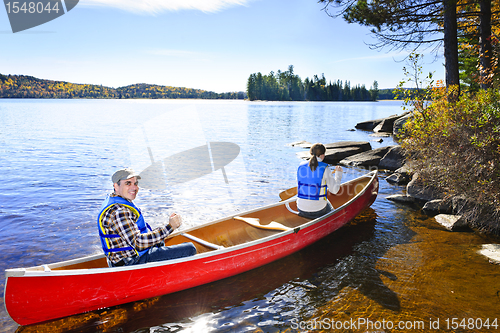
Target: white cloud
(158,6)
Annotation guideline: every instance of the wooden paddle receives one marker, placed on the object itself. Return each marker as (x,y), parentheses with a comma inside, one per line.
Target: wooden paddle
(287,194)
(254,222)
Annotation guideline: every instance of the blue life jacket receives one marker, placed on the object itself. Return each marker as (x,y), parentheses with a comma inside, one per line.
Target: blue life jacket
(141,224)
(309,182)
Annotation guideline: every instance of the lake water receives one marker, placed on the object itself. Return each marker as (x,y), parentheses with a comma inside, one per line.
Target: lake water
(391,266)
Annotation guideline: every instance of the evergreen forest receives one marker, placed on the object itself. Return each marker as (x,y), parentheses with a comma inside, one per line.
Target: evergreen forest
(287,86)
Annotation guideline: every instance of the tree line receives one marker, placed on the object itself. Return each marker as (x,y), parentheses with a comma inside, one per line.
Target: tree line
(287,86)
(22,86)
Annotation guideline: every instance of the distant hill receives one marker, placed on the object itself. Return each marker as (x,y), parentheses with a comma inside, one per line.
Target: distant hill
(23,86)
(386,94)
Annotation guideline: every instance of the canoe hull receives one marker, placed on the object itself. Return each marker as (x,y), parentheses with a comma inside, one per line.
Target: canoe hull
(42,296)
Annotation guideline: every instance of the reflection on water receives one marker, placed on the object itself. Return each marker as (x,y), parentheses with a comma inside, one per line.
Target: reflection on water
(435,276)
(391,264)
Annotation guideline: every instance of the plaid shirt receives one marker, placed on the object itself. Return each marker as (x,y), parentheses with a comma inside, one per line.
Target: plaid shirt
(120,220)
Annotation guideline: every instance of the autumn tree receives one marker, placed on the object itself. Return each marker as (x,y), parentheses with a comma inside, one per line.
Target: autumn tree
(478,29)
(22,86)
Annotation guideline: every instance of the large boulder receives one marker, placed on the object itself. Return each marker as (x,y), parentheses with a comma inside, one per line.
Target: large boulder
(398,179)
(401,176)
(452,222)
(380,125)
(363,145)
(408,168)
(461,204)
(492,252)
(437,206)
(367,158)
(337,151)
(369,125)
(401,198)
(393,160)
(419,191)
(386,125)
(334,156)
(399,123)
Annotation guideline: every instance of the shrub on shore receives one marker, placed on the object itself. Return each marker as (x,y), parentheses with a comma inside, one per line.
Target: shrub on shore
(455,148)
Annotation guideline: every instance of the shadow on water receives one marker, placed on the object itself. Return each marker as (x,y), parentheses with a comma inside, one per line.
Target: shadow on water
(346,258)
(360,269)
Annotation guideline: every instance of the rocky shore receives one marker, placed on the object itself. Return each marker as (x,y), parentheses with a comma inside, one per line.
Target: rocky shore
(449,212)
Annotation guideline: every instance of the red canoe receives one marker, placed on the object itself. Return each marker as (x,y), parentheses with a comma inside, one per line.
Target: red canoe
(226,247)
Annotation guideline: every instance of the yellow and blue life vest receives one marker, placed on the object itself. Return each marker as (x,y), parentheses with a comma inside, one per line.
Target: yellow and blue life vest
(141,224)
(309,182)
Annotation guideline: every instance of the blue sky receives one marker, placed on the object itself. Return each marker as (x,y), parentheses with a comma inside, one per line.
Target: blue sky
(205,44)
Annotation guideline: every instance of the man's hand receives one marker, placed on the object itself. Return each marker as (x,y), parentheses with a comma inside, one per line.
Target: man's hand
(175,221)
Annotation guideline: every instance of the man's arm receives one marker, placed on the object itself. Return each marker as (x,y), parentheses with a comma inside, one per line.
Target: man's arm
(128,230)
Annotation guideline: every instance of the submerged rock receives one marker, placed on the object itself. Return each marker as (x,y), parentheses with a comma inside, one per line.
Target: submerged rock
(492,252)
(303,144)
(452,222)
(400,198)
(381,135)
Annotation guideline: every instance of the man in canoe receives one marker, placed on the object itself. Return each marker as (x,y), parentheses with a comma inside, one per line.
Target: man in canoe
(125,237)
(314,180)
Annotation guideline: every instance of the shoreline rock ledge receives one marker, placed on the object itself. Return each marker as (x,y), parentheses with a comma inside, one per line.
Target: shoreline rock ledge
(391,124)
(337,151)
(357,153)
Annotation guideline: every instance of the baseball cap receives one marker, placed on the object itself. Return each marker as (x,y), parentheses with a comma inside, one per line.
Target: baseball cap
(124,174)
